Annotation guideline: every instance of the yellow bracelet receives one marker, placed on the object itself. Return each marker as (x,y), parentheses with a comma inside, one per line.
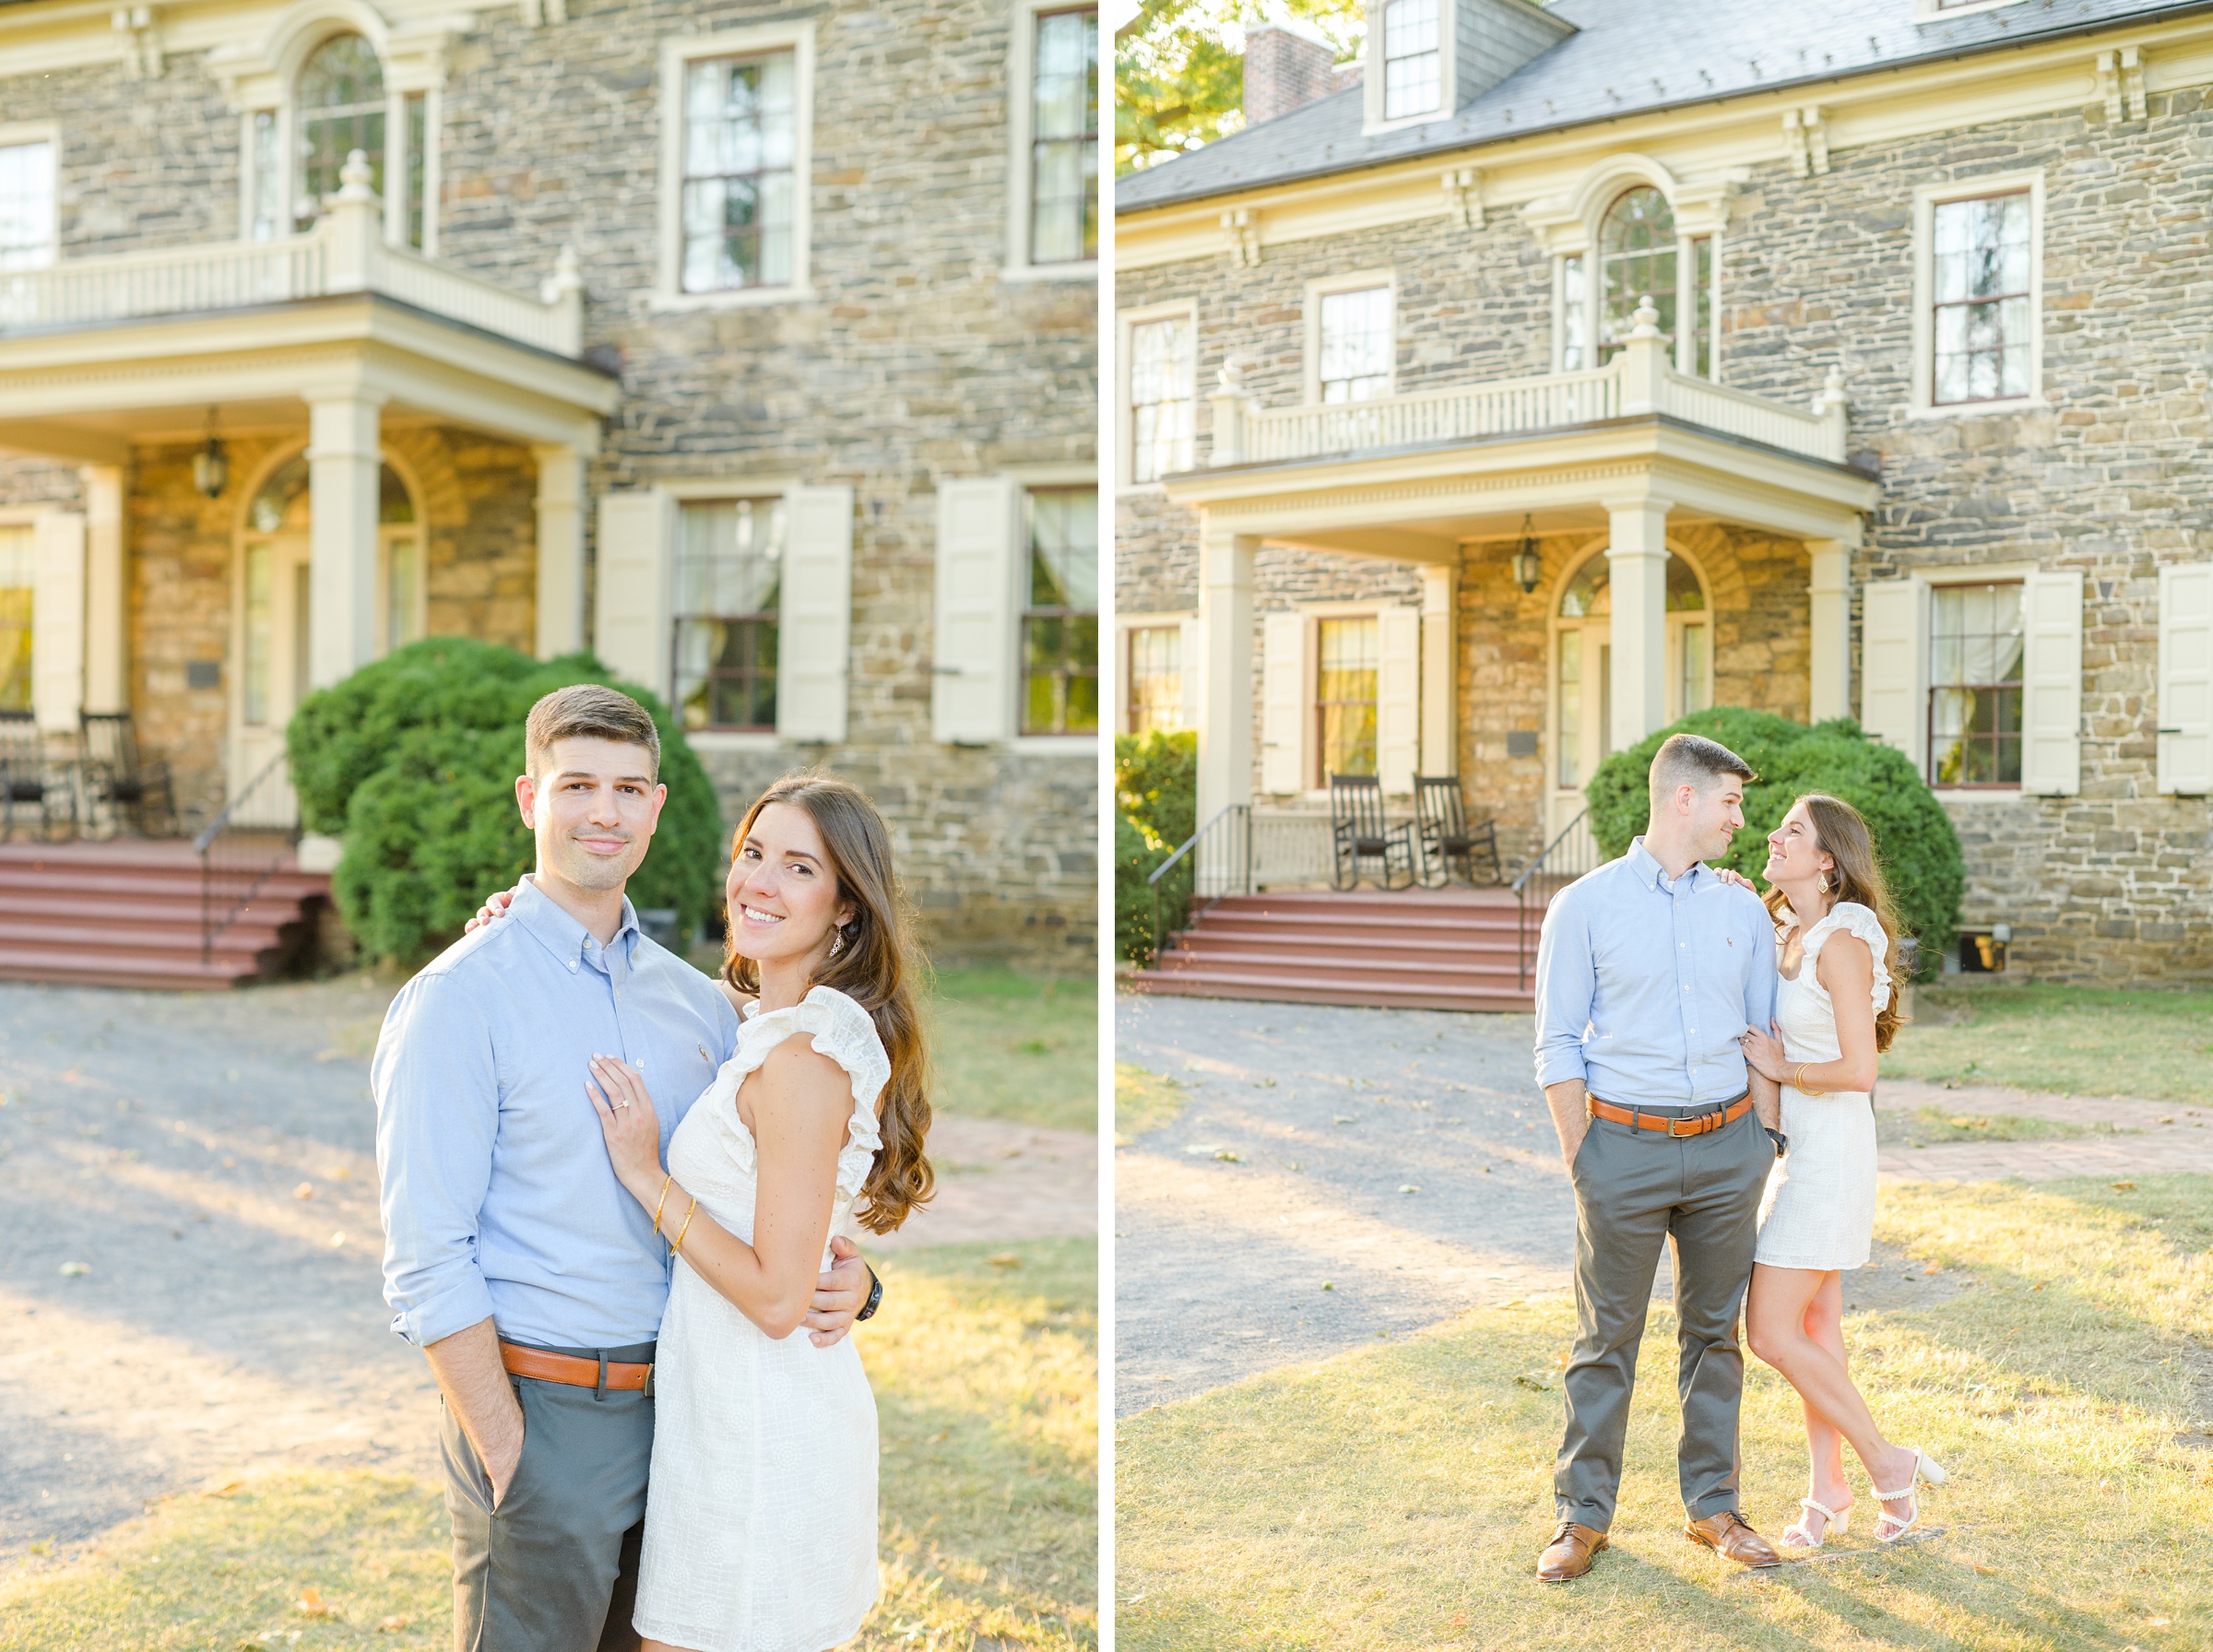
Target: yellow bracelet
(678,1246)
(663,1199)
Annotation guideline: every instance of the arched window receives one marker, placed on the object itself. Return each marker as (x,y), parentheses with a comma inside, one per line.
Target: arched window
(1583,675)
(1635,257)
(1638,250)
(340,109)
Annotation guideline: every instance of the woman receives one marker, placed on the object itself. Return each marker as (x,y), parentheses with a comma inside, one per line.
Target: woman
(760,1522)
(1835,1009)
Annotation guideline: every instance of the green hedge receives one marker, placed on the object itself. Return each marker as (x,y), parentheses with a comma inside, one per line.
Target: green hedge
(1156,809)
(412,761)
(1913,836)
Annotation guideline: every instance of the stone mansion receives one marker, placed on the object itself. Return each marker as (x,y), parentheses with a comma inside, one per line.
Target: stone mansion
(753,346)
(1584,364)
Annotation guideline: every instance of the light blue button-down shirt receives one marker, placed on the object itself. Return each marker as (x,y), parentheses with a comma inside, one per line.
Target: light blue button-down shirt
(498,1199)
(1644,986)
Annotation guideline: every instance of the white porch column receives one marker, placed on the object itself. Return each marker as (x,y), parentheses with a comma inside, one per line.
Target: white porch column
(1225,713)
(107,621)
(1828,670)
(560,550)
(1440,677)
(1637,569)
(342,464)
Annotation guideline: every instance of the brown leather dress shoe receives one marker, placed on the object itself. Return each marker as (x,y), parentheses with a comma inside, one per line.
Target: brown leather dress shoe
(1727,1535)
(1569,1554)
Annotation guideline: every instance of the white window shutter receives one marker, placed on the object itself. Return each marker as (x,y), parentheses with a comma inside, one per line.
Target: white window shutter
(978,614)
(57,620)
(2051,683)
(631,621)
(814,614)
(1893,667)
(2186,707)
(1398,698)
(1284,704)
(1190,664)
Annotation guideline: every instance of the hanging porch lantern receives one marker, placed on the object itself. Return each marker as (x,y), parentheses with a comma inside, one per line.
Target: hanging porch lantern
(211,465)
(1529,567)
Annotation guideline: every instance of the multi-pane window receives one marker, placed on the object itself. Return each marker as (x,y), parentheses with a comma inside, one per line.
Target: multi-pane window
(416,109)
(1412,67)
(1642,253)
(1060,613)
(1574,315)
(1636,259)
(265,198)
(26,204)
(1064,139)
(1356,344)
(1700,307)
(17,575)
(730,569)
(1161,379)
(1155,673)
(1980,293)
(1976,649)
(341,108)
(1349,661)
(740,191)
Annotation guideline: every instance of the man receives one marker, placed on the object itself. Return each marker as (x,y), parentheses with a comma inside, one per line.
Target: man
(1647,973)
(530,1280)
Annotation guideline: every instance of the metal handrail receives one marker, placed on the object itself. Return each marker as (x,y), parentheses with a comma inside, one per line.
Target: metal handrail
(1240,832)
(239,883)
(1544,865)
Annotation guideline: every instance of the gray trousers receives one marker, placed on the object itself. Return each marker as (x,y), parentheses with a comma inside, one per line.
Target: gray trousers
(554,1568)
(1634,1190)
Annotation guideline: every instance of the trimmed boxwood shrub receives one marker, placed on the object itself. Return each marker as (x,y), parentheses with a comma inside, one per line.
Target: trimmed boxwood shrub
(1156,799)
(1913,836)
(412,761)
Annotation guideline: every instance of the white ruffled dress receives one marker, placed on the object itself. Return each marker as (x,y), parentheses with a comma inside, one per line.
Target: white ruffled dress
(1819,1208)
(761,1513)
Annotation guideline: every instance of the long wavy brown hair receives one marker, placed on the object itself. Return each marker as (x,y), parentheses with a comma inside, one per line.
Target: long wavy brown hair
(874,964)
(1856,874)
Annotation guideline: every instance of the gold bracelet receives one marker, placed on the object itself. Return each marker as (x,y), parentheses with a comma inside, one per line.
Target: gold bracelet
(678,1246)
(662,1201)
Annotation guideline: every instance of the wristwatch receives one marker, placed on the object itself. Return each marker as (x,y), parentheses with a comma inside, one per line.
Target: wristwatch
(875,1296)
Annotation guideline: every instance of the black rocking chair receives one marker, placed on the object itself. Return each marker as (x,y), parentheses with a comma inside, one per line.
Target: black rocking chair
(1358,833)
(30,781)
(1446,834)
(117,777)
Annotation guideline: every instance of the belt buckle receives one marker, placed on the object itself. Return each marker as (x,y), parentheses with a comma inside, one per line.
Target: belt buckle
(1697,1119)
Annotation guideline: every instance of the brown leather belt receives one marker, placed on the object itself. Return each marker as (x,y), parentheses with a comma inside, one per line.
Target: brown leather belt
(1673,1123)
(577,1374)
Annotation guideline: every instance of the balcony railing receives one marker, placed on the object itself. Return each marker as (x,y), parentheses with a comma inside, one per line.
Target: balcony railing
(344,253)
(1639,379)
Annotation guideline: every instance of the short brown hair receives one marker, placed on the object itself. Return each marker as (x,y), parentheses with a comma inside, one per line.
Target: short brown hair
(1695,761)
(587,711)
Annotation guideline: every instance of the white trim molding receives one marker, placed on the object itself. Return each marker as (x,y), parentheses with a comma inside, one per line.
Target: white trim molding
(1022,59)
(1921,390)
(1938,11)
(798,38)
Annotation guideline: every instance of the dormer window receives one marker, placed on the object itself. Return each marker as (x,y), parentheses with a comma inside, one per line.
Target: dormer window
(1412,65)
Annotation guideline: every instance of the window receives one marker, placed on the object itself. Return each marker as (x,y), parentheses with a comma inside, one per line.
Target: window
(1636,259)
(740,128)
(1064,139)
(27,223)
(1574,304)
(413,200)
(1981,298)
(1155,673)
(729,571)
(264,191)
(18,576)
(1582,654)
(1413,67)
(1162,378)
(340,109)
(1357,351)
(1976,649)
(293,156)
(1060,613)
(1350,653)
(1638,251)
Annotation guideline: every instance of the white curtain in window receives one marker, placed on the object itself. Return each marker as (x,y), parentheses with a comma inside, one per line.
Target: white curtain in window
(25,206)
(1161,380)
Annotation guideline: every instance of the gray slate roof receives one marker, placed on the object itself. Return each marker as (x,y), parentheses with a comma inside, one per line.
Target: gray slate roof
(1631,56)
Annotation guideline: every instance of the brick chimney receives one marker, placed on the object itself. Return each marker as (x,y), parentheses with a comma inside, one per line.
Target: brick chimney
(1282,72)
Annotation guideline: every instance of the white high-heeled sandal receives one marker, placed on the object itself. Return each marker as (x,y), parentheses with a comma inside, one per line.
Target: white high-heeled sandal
(1925,1468)
(1798,1534)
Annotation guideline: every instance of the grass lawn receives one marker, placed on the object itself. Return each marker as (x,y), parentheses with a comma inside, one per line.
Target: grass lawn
(1021,1047)
(986,1378)
(1936,1126)
(1396,1496)
(2070,1040)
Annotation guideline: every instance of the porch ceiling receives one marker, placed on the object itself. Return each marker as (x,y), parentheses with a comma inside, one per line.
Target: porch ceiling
(1419,504)
(87,394)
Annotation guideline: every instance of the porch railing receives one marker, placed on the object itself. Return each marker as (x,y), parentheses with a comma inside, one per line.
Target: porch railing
(243,848)
(1571,855)
(1215,861)
(345,251)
